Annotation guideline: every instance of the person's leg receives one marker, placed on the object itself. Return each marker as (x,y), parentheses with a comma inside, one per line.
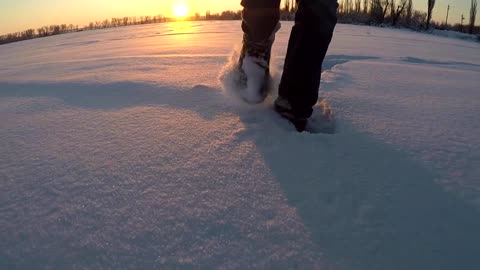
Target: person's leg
(260,17)
(260,21)
(309,40)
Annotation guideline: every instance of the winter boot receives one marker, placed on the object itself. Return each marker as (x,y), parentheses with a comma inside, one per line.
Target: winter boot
(284,109)
(259,26)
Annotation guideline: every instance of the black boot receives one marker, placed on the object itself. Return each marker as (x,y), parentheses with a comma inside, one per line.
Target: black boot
(284,109)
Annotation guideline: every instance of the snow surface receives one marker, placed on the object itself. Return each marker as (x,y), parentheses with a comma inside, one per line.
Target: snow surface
(455,34)
(120,150)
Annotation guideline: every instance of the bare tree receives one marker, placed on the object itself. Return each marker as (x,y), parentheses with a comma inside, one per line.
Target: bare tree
(392,8)
(409,14)
(358,6)
(294,5)
(378,10)
(473,15)
(41,32)
(28,34)
(105,23)
(396,12)
(287,5)
(55,29)
(365,6)
(431,5)
(148,19)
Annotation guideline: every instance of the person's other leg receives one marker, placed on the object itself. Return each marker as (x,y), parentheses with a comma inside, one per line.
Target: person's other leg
(260,21)
(260,18)
(309,40)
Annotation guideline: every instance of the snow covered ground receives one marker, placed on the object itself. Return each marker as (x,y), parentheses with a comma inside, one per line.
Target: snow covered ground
(455,34)
(120,150)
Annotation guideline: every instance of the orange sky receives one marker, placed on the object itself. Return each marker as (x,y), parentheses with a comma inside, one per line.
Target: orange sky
(18,15)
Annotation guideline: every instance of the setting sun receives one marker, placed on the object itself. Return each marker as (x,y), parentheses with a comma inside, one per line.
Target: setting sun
(180,10)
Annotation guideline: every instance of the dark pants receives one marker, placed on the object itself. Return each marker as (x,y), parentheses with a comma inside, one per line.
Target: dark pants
(309,40)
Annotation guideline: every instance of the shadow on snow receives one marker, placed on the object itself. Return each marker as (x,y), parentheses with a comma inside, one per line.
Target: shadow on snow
(366,205)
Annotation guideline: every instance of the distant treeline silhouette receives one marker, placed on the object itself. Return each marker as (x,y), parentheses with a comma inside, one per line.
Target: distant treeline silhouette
(52,30)
(398,13)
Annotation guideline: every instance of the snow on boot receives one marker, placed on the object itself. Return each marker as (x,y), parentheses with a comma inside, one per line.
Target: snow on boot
(254,67)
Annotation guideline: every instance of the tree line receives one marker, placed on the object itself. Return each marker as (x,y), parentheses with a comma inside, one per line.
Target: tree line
(371,12)
(225,15)
(400,13)
(52,30)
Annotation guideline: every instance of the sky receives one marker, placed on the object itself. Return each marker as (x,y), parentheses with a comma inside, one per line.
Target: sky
(18,15)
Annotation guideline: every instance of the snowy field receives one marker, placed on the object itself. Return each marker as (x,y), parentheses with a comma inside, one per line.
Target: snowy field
(120,150)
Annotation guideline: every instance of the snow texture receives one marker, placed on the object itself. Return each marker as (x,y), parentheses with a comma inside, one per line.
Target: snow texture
(119,150)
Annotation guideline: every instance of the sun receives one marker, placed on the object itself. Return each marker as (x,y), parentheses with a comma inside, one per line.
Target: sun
(180,10)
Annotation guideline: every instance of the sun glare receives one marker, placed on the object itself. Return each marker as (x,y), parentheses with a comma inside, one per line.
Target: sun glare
(180,10)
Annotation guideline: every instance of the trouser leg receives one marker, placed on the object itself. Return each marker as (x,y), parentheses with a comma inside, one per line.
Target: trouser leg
(261,3)
(260,19)
(309,40)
